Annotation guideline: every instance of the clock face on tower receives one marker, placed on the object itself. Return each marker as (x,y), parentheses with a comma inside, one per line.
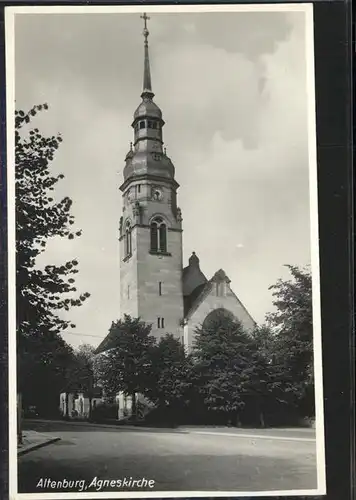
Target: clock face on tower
(157,194)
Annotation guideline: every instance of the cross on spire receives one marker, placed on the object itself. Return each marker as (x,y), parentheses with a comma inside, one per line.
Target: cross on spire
(145,29)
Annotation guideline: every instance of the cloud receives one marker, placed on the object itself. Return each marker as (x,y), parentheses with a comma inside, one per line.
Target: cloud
(233,94)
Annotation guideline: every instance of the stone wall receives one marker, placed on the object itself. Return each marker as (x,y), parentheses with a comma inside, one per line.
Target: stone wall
(167,270)
(142,272)
(210,302)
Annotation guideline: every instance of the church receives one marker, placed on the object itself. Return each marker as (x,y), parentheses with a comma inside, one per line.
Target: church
(154,285)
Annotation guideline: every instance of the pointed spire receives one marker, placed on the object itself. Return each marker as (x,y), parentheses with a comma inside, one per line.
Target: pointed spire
(147,86)
(194,260)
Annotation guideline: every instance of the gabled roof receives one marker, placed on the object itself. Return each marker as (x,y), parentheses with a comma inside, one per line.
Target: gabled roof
(192,302)
(220,277)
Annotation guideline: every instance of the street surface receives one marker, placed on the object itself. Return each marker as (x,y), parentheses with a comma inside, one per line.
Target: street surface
(198,459)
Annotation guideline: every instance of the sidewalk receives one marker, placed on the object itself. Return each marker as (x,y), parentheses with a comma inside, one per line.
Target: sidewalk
(33,440)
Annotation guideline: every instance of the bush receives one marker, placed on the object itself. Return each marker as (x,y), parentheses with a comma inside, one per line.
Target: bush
(162,416)
(104,411)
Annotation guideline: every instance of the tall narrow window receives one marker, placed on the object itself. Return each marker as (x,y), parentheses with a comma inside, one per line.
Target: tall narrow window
(139,188)
(128,240)
(162,238)
(142,124)
(158,235)
(160,288)
(162,322)
(158,322)
(154,237)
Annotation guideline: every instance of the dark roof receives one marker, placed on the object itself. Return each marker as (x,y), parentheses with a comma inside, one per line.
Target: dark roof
(107,343)
(189,300)
(145,163)
(193,277)
(148,108)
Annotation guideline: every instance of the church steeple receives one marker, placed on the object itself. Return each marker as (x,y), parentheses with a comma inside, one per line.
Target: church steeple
(151,222)
(147,85)
(148,157)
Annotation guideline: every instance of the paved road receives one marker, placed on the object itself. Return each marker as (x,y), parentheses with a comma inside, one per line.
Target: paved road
(198,459)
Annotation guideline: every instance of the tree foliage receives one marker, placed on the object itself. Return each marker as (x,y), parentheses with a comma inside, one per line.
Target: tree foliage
(83,371)
(39,217)
(168,382)
(43,356)
(126,364)
(44,369)
(223,355)
(291,337)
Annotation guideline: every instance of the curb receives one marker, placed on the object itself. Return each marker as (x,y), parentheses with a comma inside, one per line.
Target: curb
(37,446)
(121,427)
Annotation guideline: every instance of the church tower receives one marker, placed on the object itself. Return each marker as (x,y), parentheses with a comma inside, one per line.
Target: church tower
(151,223)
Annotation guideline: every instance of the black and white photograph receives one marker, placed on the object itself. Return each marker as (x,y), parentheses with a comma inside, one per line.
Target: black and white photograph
(163,258)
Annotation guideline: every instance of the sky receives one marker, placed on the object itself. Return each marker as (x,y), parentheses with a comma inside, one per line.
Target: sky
(232,89)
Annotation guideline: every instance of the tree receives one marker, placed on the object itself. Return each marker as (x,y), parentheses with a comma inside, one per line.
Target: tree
(44,370)
(83,372)
(274,389)
(38,218)
(291,344)
(223,355)
(125,366)
(40,293)
(168,382)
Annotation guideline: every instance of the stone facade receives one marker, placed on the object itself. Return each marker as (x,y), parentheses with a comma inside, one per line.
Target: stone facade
(151,281)
(211,301)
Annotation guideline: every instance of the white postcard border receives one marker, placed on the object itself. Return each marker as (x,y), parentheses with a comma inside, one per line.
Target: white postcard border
(10,13)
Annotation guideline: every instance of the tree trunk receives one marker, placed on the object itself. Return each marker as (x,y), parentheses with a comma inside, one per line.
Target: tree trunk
(90,407)
(237,420)
(19,418)
(133,407)
(262,420)
(66,416)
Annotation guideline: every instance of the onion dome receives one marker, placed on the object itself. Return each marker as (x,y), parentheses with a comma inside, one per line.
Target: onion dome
(152,164)
(149,109)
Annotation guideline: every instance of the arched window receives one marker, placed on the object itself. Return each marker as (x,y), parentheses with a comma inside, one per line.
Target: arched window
(128,240)
(158,235)
(216,317)
(142,124)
